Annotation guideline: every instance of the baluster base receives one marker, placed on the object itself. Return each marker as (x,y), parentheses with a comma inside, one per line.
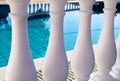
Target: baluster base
(116,72)
(79,80)
(98,77)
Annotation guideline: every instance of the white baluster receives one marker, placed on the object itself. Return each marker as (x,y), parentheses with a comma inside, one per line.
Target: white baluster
(83,56)
(116,69)
(55,66)
(20,66)
(105,55)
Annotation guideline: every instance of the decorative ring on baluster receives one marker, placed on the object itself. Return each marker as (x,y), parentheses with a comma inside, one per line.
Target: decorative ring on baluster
(18,15)
(86,11)
(57,13)
(110,9)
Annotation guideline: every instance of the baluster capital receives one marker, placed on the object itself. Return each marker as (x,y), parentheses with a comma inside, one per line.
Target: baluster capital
(57,6)
(86,5)
(110,4)
(18,7)
(91,2)
(18,2)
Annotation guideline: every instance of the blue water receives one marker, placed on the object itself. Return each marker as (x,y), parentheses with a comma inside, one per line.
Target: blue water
(72,24)
(38,30)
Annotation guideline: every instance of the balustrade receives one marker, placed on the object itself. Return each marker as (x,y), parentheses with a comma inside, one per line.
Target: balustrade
(55,68)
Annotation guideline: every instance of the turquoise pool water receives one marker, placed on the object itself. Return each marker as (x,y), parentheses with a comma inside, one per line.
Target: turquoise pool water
(39,34)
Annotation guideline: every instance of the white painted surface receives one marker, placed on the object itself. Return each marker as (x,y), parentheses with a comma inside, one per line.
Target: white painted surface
(20,66)
(83,57)
(105,55)
(116,69)
(55,66)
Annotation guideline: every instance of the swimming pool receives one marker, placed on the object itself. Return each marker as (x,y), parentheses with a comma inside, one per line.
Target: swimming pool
(39,34)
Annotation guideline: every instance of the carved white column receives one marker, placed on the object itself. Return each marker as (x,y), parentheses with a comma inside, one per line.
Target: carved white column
(116,69)
(105,55)
(83,56)
(20,66)
(55,66)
